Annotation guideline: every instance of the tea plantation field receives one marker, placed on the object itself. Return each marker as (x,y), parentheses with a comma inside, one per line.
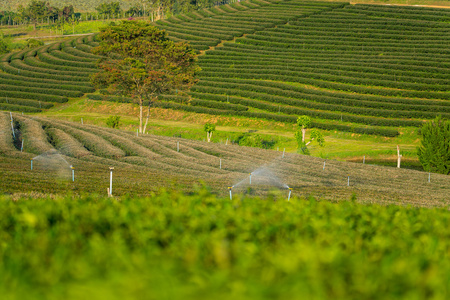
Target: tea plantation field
(359,68)
(146,163)
(380,66)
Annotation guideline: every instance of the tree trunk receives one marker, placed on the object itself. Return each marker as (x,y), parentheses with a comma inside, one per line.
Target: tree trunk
(141,110)
(146,121)
(303,134)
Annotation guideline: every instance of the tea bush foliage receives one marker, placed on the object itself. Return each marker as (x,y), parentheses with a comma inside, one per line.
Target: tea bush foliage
(173,246)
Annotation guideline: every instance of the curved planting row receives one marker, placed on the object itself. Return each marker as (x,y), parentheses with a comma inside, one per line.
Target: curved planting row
(33,79)
(208,27)
(54,146)
(373,66)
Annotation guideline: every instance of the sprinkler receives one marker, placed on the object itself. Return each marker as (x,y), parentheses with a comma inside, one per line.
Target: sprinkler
(110,181)
(31,164)
(229,188)
(250,178)
(290,191)
(73,172)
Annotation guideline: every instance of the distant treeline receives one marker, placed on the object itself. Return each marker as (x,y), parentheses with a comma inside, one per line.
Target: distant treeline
(12,8)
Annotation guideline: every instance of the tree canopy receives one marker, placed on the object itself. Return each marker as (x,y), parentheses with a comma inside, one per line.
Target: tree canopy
(34,11)
(142,63)
(112,8)
(434,151)
(209,129)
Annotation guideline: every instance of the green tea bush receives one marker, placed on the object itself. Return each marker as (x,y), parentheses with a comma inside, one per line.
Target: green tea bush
(179,246)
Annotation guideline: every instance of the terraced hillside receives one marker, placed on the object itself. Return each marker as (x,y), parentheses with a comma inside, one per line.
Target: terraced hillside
(145,163)
(33,80)
(374,66)
(358,68)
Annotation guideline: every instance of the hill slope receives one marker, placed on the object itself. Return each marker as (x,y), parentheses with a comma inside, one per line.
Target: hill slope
(358,68)
(370,65)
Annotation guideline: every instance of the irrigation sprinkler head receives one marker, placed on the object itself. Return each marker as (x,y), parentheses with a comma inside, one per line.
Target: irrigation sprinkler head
(290,189)
(230,187)
(72,167)
(111,168)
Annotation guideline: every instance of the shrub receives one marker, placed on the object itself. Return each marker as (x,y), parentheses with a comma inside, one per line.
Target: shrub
(254,140)
(34,43)
(4,46)
(113,121)
(434,152)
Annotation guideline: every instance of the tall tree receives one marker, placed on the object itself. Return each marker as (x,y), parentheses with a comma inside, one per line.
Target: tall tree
(141,62)
(434,151)
(110,9)
(73,21)
(35,11)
